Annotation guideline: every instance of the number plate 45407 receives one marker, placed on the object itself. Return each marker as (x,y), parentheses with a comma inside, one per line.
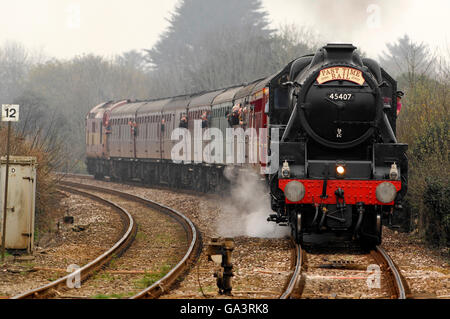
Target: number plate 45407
(341,96)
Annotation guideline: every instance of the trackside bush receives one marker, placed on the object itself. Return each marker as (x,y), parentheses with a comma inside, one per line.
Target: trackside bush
(424,125)
(437,211)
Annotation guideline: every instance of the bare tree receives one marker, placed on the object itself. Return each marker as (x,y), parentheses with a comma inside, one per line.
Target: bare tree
(294,41)
(67,90)
(408,60)
(131,60)
(14,66)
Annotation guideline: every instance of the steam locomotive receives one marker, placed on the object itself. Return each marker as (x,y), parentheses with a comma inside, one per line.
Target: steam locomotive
(326,122)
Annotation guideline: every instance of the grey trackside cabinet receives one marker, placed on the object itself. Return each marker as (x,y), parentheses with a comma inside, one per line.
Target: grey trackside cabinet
(21,201)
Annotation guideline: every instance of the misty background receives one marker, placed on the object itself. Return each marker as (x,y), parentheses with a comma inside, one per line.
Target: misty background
(60,58)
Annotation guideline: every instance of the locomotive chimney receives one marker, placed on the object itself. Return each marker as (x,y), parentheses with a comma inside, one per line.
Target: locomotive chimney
(339,51)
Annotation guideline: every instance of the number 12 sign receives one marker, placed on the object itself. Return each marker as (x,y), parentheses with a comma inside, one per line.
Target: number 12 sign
(10,112)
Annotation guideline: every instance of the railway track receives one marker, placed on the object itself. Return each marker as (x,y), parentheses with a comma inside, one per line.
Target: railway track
(395,279)
(84,272)
(392,277)
(150,291)
(392,281)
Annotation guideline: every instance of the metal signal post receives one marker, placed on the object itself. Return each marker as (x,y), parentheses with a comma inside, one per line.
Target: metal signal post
(10,113)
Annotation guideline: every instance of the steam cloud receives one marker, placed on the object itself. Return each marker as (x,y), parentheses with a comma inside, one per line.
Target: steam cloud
(366,23)
(245,210)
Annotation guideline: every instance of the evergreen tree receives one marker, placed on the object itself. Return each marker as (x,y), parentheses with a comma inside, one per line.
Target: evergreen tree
(213,43)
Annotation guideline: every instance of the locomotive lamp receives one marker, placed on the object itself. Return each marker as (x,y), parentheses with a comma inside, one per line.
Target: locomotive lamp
(340,170)
(393,173)
(285,170)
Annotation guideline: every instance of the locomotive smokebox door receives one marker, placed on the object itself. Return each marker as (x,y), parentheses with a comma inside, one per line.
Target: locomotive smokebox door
(21,202)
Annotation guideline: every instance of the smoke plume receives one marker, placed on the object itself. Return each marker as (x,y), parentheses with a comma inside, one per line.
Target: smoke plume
(368,24)
(245,210)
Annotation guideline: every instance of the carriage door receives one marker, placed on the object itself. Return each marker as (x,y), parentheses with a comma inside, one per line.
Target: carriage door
(161,128)
(135,134)
(105,132)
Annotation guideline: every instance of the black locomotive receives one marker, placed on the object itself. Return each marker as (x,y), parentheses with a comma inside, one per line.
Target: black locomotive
(341,168)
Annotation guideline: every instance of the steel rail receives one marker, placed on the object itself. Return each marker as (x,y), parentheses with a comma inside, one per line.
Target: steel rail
(295,275)
(400,291)
(194,239)
(84,272)
(130,183)
(400,288)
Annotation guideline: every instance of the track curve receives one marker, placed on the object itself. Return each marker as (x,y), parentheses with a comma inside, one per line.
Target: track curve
(85,271)
(194,239)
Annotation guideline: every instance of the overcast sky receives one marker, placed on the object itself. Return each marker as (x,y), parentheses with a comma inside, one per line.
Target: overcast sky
(64,28)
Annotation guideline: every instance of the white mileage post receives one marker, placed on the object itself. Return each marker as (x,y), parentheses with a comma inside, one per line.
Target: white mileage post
(10,113)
